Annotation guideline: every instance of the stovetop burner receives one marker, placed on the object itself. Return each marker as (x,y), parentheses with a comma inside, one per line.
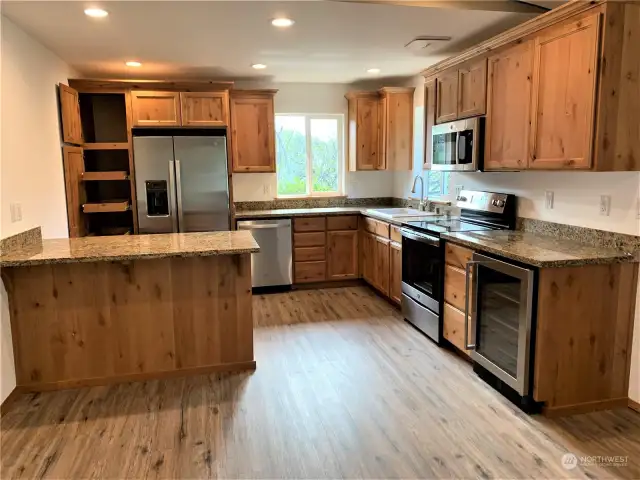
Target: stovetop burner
(439,225)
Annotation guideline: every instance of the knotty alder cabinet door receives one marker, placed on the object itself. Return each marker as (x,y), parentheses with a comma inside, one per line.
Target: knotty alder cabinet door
(253,131)
(396,128)
(70,114)
(363,133)
(395,272)
(564,94)
(155,109)
(429,120)
(342,255)
(508,108)
(447,97)
(73,162)
(472,90)
(204,109)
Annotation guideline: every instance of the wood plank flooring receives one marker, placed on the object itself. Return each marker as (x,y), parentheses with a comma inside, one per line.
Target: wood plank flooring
(344,389)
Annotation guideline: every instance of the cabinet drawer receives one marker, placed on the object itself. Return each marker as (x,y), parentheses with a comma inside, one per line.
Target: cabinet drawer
(314,239)
(396,236)
(306,272)
(309,224)
(347,222)
(309,254)
(453,326)
(457,256)
(454,285)
(377,227)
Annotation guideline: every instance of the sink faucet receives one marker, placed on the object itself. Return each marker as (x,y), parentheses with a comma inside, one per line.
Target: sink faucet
(413,190)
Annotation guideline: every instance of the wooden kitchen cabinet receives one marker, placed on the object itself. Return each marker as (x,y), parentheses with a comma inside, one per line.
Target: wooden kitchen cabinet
(253,131)
(472,90)
(453,324)
(381,250)
(395,272)
(342,255)
(508,108)
(155,109)
(396,128)
(447,97)
(205,109)
(564,95)
(429,120)
(73,163)
(70,115)
(366,256)
(363,136)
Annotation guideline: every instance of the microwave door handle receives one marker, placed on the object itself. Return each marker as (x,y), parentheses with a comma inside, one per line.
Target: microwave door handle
(457,152)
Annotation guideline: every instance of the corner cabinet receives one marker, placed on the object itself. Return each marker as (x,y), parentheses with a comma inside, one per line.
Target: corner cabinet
(380,129)
(508,108)
(253,131)
(564,95)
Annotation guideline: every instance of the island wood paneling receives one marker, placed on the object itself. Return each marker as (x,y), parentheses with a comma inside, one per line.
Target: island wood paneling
(100,322)
(583,337)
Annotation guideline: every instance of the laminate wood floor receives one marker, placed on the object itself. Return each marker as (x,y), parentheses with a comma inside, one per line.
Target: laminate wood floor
(344,389)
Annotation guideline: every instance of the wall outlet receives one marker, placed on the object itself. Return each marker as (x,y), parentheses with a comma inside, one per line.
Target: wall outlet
(605,205)
(548,200)
(458,190)
(266,189)
(16,212)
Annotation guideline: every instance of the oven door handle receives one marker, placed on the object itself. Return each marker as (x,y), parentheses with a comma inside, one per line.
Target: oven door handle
(418,237)
(467,276)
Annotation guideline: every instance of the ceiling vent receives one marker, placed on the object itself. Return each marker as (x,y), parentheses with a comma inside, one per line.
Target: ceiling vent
(425,44)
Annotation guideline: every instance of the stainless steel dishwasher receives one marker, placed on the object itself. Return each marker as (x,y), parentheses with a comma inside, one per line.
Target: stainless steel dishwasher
(272,266)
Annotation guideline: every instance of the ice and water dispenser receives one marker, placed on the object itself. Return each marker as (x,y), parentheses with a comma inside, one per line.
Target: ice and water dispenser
(157,198)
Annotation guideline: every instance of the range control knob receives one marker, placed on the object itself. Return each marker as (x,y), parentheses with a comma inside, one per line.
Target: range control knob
(498,203)
(461,198)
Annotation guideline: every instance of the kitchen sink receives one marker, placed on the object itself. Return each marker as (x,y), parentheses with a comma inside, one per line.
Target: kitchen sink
(399,212)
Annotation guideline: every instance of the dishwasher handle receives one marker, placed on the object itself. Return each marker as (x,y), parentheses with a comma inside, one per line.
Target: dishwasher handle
(259,227)
(263,224)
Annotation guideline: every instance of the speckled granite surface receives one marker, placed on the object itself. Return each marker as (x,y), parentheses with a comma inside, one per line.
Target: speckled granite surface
(310,212)
(589,236)
(28,238)
(538,250)
(130,247)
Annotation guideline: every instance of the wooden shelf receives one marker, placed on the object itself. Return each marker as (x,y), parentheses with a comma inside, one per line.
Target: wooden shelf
(107,206)
(112,175)
(106,146)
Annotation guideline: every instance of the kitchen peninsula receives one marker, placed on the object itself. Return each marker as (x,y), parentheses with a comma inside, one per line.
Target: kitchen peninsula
(98,310)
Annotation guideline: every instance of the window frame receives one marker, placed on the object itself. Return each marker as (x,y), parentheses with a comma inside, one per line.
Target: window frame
(341,166)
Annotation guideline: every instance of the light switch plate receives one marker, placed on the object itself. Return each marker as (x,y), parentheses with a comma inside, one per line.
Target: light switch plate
(605,205)
(548,199)
(16,212)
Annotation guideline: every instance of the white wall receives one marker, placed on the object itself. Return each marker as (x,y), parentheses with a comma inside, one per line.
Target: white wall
(30,155)
(310,98)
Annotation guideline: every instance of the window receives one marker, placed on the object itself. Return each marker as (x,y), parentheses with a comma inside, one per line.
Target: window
(437,183)
(309,155)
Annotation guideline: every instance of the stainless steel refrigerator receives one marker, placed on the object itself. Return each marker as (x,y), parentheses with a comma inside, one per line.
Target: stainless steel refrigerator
(181,183)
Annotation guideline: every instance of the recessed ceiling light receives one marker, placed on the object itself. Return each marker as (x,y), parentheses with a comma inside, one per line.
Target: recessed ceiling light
(259,66)
(96,12)
(282,22)
(133,64)
(373,70)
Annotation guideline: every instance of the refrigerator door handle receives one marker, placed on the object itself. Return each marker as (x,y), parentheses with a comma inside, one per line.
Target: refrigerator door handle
(172,189)
(179,195)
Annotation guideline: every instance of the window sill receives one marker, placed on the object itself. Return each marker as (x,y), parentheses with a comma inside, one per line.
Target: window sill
(308,197)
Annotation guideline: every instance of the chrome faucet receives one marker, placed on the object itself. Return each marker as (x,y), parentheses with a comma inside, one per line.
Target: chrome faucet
(413,190)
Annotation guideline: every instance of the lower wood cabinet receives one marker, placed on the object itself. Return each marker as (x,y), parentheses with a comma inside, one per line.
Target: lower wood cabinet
(395,271)
(342,255)
(307,272)
(453,327)
(456,258)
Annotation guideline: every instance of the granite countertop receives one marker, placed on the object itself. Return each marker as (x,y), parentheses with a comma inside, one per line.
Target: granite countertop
(538,250)
(308,212)
(130,247)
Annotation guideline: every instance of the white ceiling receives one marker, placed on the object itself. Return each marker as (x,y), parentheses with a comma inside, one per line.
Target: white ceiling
(330,41)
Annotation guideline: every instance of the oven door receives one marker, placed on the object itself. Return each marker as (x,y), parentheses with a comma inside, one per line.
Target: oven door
(501,317)
(422,261)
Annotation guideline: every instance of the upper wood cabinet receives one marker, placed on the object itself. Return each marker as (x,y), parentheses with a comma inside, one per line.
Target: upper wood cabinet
(447,97)
(472,89)
(253,131)
(564,95)
(363,131)
(70,115)
(73,165)
(205,109)
(155,109)
(380,131)
(508,108)
(429,119)
(396,128)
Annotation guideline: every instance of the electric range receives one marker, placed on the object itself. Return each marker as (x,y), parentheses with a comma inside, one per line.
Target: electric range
(423,253)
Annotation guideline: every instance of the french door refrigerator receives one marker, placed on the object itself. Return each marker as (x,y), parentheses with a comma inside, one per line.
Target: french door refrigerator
(181,183)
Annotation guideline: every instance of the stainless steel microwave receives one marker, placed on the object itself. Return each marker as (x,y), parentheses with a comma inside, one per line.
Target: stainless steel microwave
(458,145)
